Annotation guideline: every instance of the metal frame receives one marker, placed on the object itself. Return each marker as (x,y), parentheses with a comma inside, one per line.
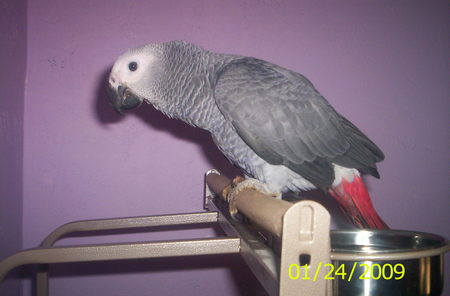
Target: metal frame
(303,229)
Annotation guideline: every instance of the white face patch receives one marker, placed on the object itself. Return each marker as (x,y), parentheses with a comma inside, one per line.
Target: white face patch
(132,68)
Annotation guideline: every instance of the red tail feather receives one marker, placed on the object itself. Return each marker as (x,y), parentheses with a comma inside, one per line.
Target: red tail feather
(356,203)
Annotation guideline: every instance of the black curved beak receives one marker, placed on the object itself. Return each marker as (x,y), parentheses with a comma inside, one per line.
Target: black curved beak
(121,98)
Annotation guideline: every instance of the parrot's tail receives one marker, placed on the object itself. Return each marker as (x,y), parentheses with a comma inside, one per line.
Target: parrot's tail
(355,201)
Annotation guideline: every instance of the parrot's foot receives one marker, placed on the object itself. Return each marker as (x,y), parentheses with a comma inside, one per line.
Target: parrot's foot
(238,185)
(234,183)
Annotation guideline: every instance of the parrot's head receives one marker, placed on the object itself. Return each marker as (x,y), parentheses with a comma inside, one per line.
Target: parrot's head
(132,77)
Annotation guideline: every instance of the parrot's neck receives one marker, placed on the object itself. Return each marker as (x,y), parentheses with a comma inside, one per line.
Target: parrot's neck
(207,115)
(189,96)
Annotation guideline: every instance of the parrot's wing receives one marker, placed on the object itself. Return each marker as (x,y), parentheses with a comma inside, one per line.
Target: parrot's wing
(280,115)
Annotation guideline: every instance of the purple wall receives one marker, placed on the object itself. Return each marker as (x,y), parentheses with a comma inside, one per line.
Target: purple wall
(383,64)
(12,78)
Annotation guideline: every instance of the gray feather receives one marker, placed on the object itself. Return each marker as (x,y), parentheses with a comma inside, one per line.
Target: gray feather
(280,115)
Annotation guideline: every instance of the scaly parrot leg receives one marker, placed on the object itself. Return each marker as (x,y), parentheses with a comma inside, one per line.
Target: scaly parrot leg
(238,185)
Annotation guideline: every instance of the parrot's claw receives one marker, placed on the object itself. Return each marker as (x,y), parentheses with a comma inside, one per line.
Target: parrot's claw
(238,185)
(234,183)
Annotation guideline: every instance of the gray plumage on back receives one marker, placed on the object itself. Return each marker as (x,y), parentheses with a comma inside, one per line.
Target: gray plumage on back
(268,120)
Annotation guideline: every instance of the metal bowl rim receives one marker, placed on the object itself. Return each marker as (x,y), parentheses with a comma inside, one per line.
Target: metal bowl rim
(441,241)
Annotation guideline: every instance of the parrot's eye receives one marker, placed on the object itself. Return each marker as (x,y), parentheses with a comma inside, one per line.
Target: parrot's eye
(132,66)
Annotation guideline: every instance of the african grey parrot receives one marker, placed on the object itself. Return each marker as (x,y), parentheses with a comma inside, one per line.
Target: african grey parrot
(267,120)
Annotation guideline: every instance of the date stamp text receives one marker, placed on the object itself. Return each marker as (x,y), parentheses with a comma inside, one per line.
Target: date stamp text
(365,272)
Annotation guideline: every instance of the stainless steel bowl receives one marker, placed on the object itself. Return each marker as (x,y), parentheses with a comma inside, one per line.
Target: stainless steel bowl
(387,262)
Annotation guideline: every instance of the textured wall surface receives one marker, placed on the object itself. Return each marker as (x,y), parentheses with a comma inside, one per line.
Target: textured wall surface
(383,64)
(12,78)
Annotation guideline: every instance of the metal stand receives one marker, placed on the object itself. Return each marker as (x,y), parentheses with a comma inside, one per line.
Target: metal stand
(302,227)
